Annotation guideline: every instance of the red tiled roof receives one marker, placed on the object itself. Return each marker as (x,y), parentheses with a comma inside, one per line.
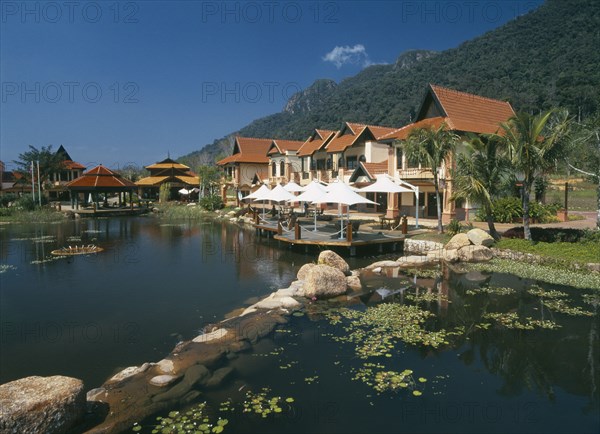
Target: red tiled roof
(249,150)
(341,142)
(71,165)
(282,146)
(316,142)
(100,177)
(373,169)
(402,133)
(472,113)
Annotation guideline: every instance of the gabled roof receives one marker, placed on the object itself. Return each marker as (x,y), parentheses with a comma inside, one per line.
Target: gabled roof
(342,140)
(402,133)
(167,163)
(317,140)
(100,178)
(369,170)
(279,146)
(248,150)
(63,153)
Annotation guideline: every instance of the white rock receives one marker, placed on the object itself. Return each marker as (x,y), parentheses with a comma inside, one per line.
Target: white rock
(380,264)
(129,372)
(458,241)
(479,237)
(166,366)
(207,337)
(475,254)
(421,246)
(163,380)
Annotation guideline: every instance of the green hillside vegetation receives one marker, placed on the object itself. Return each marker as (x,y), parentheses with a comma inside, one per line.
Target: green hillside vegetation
(546,58)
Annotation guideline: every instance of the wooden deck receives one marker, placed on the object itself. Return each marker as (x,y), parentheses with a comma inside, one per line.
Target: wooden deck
(328,235)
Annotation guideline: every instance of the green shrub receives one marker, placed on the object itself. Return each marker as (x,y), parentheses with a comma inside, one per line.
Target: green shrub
(7,198)
(510,209)
(26,202)
(211,202)
(454,227)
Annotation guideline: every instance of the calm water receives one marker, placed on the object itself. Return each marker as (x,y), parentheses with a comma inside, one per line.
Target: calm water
(155,285)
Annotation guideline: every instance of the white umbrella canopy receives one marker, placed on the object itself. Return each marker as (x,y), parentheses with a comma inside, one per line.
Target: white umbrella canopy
(341,193)
(292,187)
(184,191)
(280,194)
(384,184)
(313,193)
(258,194)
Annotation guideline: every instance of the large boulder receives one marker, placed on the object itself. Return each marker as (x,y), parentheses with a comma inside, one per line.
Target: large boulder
(329,257)
(324,281)
(41,405)
(479,237)
(415,261)
(379,264)
(474,254)
(354,283)
(458,241)
(303,271)
(421,246)
(450,255)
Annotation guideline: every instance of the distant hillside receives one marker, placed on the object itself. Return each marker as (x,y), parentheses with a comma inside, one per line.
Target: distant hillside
(546,58)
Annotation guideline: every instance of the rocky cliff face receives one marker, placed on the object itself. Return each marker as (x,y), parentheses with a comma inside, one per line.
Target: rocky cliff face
(303,101)
(408,59)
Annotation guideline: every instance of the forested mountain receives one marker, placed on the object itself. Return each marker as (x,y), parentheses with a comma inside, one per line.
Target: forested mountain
(546,58)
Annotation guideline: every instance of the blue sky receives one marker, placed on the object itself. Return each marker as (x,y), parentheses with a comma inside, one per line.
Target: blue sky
(128,82)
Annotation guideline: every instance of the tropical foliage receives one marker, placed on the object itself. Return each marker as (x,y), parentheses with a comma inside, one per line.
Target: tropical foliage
(480,173)
(49,162)
(432,148)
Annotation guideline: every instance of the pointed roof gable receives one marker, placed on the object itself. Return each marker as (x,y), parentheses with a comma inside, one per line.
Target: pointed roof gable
(465,111)
(402,133)
(63,153)
(351,132)
(248,150)
(369,170)
(317,140)
(283,146)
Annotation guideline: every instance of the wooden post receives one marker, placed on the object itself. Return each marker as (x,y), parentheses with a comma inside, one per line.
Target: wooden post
(349,232)
(297,232)
(279,227)
(404,225)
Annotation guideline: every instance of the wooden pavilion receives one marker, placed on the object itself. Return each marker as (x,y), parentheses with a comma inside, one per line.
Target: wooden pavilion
(96,181)
(170,172)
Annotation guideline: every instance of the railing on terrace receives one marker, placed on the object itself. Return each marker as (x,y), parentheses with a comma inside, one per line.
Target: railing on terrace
(415,173)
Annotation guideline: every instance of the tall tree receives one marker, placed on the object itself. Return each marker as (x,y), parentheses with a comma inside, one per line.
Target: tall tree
(50,162)
(534,144)
(480,173)
(432,147)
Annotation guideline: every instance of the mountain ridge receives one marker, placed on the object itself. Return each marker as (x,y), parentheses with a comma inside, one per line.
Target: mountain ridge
(542,59)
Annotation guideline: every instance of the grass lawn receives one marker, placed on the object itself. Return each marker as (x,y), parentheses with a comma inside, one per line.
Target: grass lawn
(582,197)
(570,252)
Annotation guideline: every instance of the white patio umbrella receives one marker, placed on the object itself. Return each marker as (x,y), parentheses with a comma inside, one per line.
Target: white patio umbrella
(342,194)
(279,194)
(259,195)
(184,191)
(385,184)
(292,187)
(313,192)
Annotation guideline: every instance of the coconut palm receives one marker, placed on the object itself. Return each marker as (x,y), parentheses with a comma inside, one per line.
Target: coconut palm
(533,143)
(480,173)
(432,147)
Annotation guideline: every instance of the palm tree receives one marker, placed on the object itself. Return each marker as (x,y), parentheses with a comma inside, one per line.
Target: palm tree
(480,173)
(432,147)
(533,144)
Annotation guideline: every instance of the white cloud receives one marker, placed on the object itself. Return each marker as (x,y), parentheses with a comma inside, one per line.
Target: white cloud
(356,55)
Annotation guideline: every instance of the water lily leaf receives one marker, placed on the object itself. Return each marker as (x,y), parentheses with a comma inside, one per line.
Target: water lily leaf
(422,380)
(416,393)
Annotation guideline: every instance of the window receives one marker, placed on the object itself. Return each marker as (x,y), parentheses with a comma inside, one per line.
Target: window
(329,163)
(341,162)
(399,154)
(351,163)
(320,164)
(273,169)
(281,168)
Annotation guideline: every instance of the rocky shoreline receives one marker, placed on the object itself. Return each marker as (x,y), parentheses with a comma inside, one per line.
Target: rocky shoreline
(57,404)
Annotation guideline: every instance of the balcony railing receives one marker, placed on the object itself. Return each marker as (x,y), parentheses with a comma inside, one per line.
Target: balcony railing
(412,173)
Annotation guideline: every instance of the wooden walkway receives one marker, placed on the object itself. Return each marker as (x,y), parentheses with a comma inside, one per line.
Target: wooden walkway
(328,236)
